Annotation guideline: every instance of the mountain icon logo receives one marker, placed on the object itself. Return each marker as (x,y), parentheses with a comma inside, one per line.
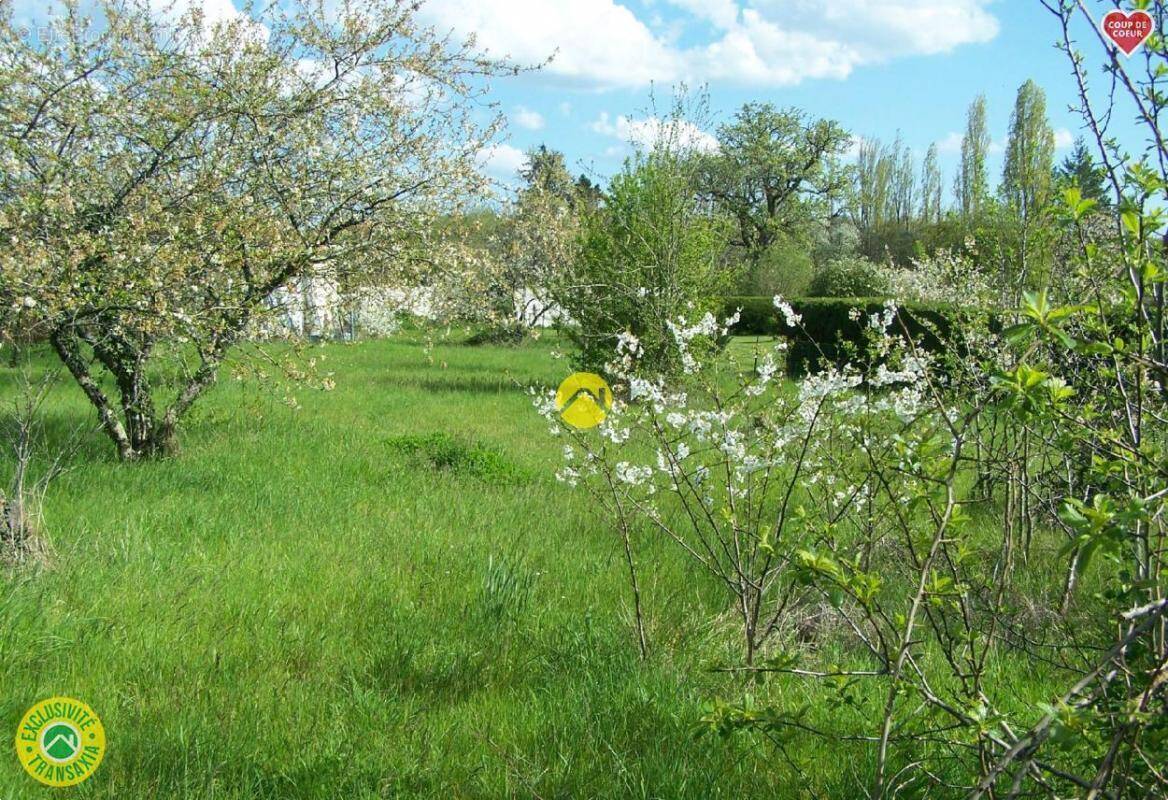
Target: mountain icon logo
(583,400)
(60,741)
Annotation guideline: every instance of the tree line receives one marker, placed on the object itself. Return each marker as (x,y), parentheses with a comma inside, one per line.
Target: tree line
(785,203)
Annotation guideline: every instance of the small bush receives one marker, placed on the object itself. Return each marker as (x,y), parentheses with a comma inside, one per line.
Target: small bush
(848,277)
(22,431)
(442,451)
(785,268)
(502,335)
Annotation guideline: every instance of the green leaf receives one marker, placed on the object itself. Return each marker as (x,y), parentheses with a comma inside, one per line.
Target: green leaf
(1016,333)
(1132,222)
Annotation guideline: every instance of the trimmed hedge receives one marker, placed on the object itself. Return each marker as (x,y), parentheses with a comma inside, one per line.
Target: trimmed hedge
(829,331)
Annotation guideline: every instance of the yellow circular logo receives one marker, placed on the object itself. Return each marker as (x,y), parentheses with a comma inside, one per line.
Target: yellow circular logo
(583,399)
(60,741)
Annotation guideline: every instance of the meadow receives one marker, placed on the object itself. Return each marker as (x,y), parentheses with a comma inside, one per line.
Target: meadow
(916,547)
(385,593)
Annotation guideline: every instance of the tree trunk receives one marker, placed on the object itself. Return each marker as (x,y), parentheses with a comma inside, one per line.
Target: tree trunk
(142,429)
(68,350)
(136,433)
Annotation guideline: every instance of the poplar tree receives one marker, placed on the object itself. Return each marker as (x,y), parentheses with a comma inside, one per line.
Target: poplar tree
(904,182)
(973,183)
(931,187)
(1026,179)
(884,201)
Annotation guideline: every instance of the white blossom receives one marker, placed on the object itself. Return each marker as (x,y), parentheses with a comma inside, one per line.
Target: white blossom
(766,371)
(792,319)
(632,474)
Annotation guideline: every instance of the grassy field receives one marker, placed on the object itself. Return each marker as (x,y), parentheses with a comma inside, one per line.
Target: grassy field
(385,593)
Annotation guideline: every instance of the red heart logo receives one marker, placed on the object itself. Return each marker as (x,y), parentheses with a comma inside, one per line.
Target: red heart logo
(1127,30)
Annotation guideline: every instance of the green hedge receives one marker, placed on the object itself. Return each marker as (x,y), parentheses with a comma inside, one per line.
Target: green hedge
(829,331)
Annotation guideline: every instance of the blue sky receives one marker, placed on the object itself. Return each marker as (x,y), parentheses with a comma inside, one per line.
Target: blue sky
(876,66)
(873,80)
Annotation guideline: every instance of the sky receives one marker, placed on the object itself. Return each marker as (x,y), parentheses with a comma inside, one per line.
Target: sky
(878,67)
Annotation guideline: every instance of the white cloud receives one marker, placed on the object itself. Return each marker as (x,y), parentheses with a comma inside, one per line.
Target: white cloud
(526,118)
(1063,139)
(597,42)
(760,51)
(214,14)
(769,43)
(783,42)
(719,13)
(854,145)
(501,160)
(646,131)
(951,143)
(566,108)
(604,125)
(880,28)
(602,43)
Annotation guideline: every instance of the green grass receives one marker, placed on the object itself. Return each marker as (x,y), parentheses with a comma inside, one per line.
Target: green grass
(383,594)
(386,593)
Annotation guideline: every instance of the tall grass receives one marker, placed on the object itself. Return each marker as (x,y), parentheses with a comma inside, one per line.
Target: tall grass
(382,594)
(386,593)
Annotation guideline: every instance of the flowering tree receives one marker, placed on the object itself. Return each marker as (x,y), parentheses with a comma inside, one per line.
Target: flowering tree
(739,460)
(164,175)
(529,247)
(838,513)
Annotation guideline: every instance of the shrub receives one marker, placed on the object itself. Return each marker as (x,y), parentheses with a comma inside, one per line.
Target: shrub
(942,275)
(785,268)
(646,259)
(848,277)
(443,452)
(851,500)
(22,430)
